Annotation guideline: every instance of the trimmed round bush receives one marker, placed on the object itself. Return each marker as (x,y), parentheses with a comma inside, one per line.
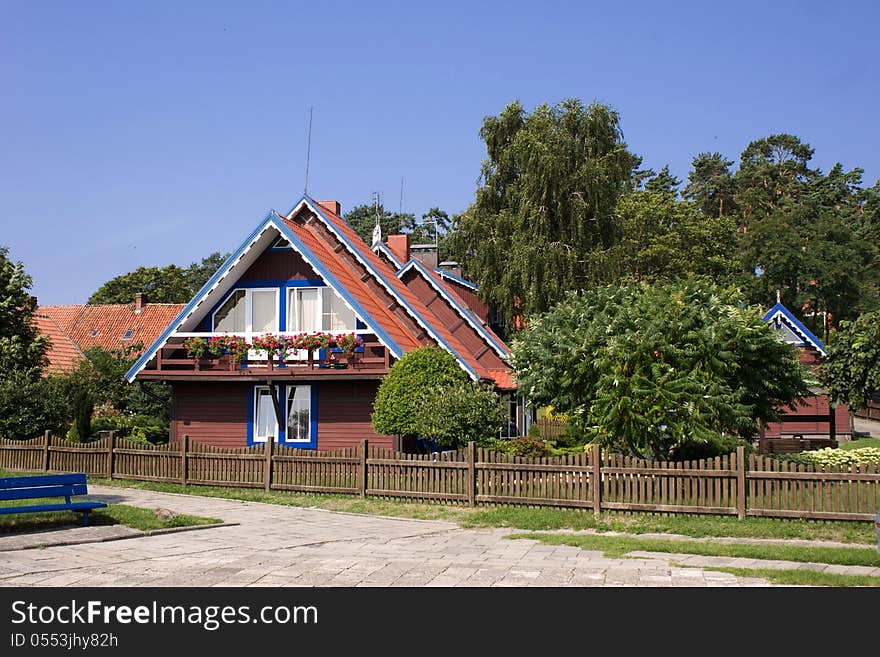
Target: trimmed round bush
(400,397)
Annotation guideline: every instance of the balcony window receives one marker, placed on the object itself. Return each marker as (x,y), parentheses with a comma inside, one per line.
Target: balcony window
(248,311)
(318,309)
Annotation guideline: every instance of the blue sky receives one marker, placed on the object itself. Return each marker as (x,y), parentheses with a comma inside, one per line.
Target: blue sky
(157,132)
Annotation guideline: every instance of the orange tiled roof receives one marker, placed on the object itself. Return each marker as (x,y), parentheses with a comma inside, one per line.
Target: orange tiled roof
(356,287)
(503,379)
(403,291)
(104,325)
(63,353)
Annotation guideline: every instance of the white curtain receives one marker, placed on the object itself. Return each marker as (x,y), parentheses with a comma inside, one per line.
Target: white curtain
(264,316)
(308,308)
(231,315)
(264,422)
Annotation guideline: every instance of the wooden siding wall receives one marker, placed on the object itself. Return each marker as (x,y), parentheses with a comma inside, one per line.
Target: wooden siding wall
(725,485)
(815,405)
(344,409)
(449,317)
(216,413)
(212,413)
(285,265)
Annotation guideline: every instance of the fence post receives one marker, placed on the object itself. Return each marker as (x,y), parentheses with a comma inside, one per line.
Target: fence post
(111,445)
(47,437)
(596,478)
(362,468)
(267,470)
(740,482)
(184,448)
(472,474)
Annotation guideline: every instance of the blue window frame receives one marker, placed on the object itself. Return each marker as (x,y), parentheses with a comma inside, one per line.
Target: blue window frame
(299,417)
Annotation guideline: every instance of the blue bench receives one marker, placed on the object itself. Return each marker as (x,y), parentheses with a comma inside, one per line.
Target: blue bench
(63,485)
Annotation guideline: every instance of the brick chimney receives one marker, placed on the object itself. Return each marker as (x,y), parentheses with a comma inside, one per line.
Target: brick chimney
(452,267)
(138,302)
(426,254)
(332,206)
(399,246)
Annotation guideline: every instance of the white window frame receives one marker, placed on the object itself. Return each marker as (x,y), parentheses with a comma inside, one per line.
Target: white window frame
(293,306)
(248,308)
(287,398)
(255,402)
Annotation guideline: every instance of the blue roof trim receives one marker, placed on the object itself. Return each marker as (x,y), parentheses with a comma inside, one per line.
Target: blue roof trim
(380,246)
(470,319)
(331,280)
(796,326)
(403,302)
(220,273)
(458,279)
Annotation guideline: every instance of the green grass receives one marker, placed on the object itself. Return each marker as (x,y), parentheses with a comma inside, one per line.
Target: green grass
(532,518)
(114,514)
(619,546)
(802,577)
(860,443)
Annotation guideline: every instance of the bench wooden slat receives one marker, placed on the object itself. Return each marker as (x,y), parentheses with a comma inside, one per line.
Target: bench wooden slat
(63,485)
(42,480)
(73,506)
(42,491)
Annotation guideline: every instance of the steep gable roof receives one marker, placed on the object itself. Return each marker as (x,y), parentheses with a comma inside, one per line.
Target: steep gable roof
(781,317)
(374,265)
(458,304)
(333,249)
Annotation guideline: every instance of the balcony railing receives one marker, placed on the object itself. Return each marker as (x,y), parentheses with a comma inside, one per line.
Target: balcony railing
(370,357)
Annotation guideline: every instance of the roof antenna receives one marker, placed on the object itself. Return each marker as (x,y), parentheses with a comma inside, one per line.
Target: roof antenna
(400,207)
(308,152)
(778,297)
(377,229)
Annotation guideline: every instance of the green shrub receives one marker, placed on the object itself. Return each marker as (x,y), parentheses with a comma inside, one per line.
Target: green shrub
(528,447)
(535,431)
(135,427)
(830,456)
(718,446)
(456,414)
(401,396)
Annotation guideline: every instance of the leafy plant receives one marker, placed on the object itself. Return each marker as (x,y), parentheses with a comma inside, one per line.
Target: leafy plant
(851,372)
(645,369)
(839,457)
(400,398)
(456,414)
(195,347)
(529,447)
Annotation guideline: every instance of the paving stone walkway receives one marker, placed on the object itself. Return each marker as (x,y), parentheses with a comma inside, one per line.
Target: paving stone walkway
(272,545)
(276,545)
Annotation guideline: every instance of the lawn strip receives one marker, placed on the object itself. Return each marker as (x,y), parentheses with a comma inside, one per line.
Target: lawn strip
(620,546)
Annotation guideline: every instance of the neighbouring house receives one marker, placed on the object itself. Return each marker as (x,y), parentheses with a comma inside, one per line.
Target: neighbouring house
(803,421)
(308,272)
(74,329)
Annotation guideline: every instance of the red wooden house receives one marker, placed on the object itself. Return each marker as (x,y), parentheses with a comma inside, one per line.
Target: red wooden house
(305,272)
(811,421)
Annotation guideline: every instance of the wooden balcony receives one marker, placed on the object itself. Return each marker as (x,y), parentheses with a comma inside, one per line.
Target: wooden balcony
(173,363)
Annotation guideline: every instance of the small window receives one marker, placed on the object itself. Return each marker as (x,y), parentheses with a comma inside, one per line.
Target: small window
(128,334)
(299,420)
(265,423)
(95,333)
(281,243)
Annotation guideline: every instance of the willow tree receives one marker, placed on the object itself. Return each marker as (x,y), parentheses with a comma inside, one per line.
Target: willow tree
(545,205)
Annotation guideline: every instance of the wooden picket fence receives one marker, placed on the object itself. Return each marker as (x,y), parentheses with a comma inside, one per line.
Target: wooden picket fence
(725,485)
